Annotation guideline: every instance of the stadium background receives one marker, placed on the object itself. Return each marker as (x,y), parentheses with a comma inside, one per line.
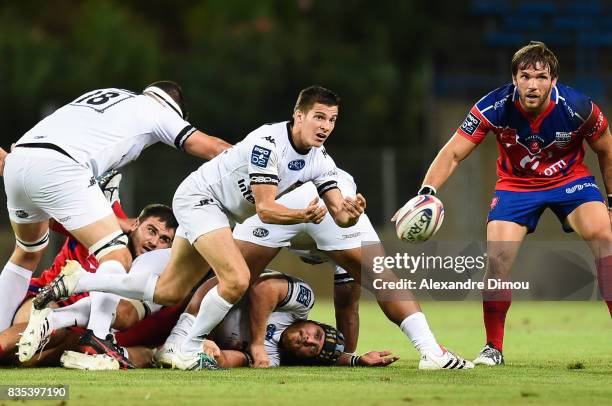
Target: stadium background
(407,71)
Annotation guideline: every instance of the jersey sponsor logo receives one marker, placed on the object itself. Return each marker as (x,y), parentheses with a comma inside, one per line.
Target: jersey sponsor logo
(304,296)
(270,330)
(204,202)
(246,192)
(21,214)
(579,187)
(562,139)
(260,232)
(260,156)
(296,165)
(270,140)
(255,179)
(324,152)
(470,124)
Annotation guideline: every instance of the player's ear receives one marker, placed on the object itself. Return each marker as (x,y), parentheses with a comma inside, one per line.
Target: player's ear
(298,116)
(554,81)
(135,225)
(514,79)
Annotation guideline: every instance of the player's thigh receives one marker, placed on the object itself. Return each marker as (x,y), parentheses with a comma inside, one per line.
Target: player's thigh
(503,243)
(257,257)
(349,259)
(185,268)
(591,221)
(219,250)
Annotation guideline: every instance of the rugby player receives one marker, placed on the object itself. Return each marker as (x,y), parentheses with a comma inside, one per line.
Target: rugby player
(540,125)
(52,169)
(283,302)
(154,229)
(260,243)
(244,180)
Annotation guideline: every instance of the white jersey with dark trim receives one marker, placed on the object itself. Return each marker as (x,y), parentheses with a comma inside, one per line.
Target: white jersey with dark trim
(266,156)
(234,330)
(107,128)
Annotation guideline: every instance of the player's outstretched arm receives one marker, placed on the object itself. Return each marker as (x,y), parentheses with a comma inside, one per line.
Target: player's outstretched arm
(346,305)
(205,146)
(369,359)
(456,150)
(263,297)
(271,212)
(344,210)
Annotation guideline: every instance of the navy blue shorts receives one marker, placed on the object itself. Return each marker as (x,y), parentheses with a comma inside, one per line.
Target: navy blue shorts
(525,208)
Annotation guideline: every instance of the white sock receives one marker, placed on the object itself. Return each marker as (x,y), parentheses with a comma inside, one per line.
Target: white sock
(181,329)
(14,283)
(139,286)
(212,310)
(415,327)
(104,305)
(76,314)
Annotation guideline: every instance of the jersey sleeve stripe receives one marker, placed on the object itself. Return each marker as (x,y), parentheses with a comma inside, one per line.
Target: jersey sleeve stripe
(182,136)
(326,187)
(263,179)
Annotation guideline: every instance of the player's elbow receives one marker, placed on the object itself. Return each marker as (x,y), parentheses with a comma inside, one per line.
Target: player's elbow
(264,213)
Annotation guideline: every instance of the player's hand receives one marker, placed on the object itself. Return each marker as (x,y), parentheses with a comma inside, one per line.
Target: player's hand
(211,349)
(315,213)
(354,206)
(377,359)
(3,155)
(260,356)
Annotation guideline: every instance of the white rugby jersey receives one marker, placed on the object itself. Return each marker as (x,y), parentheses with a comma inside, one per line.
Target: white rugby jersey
(234,332)
(265,156)
(107,128)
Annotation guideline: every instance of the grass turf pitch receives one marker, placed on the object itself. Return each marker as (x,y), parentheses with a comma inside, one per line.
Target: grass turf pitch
(556,353)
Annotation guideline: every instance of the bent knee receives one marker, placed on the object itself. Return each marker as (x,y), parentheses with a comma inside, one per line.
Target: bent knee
(233,289)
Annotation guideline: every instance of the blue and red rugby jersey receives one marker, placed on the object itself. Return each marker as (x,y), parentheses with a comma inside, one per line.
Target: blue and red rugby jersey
(536,153)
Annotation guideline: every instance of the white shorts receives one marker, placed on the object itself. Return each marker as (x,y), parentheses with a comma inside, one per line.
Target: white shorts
(197,212)
(326,236)
(42,184)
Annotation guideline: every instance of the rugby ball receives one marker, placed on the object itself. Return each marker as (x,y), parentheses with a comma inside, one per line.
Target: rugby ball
(419,219)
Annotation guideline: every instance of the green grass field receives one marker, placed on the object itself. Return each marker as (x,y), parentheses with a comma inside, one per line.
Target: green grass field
(556,353)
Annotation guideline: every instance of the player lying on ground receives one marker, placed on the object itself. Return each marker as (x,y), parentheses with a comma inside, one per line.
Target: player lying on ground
(153,229)
(51,174)
(244,180)
(260,243)
(540,126)
(131,319)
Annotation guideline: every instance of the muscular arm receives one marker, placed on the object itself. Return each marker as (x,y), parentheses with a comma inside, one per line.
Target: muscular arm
(205,146)
(344,210)
(271,212)
(603,148)
(456,150)
(346,304)
(263,297)
(232,359)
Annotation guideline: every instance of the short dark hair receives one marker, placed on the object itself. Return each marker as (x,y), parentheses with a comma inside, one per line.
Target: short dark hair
(532,54)
(161,211)
(175,91)
(315,94)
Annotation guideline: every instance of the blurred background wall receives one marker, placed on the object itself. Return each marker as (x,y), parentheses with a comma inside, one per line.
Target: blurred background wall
(407,72)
